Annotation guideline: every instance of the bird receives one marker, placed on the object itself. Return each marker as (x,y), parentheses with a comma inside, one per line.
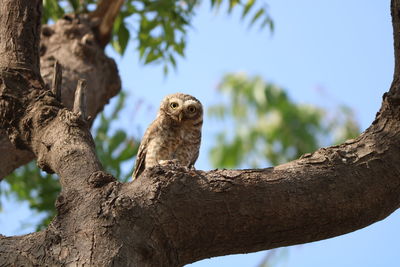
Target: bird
(174,137)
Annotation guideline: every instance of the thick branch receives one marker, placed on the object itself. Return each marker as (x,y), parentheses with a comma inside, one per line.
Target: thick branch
(106,13)
(71,43)
(15,157)
(31,114)
(172,216)
(331,192)
(20,34)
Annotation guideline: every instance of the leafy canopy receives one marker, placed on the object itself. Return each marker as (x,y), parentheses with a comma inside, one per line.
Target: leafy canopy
(159,28)
(266,126)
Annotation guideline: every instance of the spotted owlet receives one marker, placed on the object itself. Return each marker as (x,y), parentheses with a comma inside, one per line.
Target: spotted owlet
(174,136)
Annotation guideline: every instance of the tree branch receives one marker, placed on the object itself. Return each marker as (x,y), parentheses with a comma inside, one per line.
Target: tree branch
(171,216)
(334,191)
(15,157)
(106,13)
(25,36)
(33,117)
(70,42)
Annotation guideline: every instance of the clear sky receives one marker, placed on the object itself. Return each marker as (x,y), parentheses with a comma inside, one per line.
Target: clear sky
(323,52)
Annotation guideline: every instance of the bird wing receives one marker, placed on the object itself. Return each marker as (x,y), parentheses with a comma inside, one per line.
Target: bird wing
(141,155)
(197,151)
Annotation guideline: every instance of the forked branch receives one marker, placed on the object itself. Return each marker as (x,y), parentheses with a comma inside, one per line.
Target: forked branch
(172,216)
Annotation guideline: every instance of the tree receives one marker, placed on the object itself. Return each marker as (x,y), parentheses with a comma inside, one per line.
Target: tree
(81,32)
(172,216)
(159,40)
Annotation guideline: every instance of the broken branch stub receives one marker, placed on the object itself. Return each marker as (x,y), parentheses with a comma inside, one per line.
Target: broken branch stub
(57,80)
(80,99)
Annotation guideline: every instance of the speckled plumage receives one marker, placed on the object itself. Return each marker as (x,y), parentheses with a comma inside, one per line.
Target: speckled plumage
(174,136)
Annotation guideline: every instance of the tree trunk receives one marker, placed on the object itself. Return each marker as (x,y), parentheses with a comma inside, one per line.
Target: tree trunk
(171,216)
(72,42)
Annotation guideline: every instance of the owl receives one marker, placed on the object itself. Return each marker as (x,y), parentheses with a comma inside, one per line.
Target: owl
(174,136)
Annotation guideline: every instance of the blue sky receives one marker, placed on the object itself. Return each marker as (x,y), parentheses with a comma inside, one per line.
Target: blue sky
(323,52)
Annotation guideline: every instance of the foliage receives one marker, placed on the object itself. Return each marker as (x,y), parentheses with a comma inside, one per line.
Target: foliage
(266,126)
(159,27)
(39,189)
(29,183)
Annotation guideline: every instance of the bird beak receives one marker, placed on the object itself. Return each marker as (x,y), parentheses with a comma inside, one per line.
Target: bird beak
(180,116)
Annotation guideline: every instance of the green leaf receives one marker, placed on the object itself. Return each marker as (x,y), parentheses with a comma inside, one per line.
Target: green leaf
(165,69)
(180,47)
(172,60)
(169,33)
(268,22)
(216,3)
(259,13)
(232,4)
(115,44)
(152,56)
(160,26)
(52,10)
(123,38)
(247,8)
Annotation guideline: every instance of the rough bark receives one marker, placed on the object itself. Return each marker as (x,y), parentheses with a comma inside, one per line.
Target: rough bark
(171,216)
(72,42)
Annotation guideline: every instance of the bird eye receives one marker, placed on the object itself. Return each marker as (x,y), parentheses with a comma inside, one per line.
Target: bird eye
(173,105)
(192,109)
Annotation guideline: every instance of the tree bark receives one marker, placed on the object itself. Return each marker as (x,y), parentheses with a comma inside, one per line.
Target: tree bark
(73,43)
(172,216)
